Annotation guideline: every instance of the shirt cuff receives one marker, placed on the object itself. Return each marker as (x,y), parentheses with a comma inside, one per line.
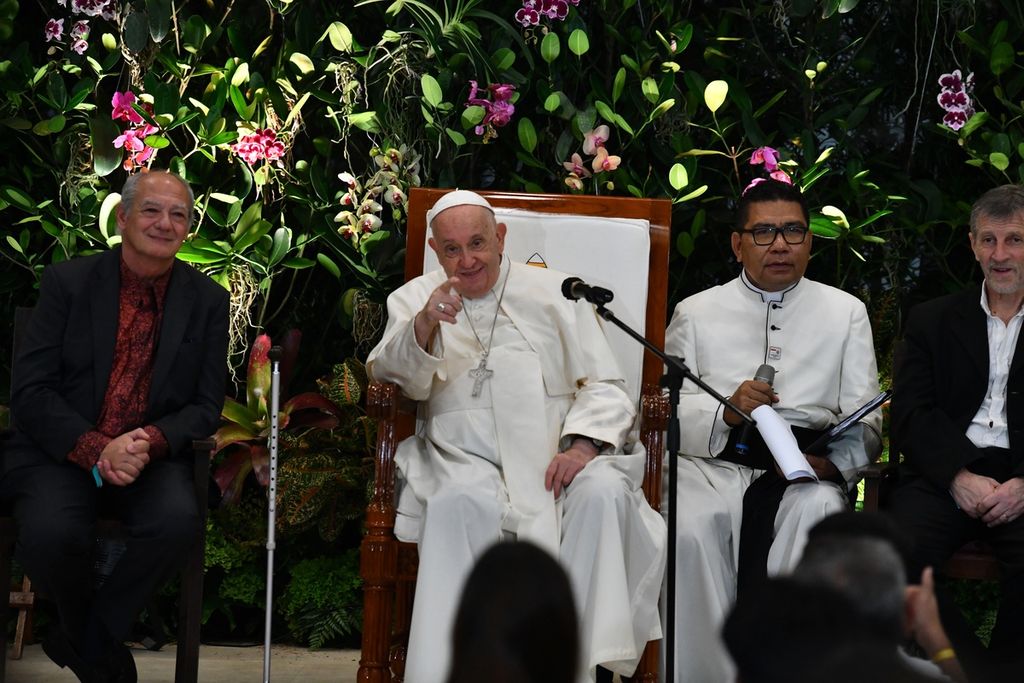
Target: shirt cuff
(157,442)
(88,448)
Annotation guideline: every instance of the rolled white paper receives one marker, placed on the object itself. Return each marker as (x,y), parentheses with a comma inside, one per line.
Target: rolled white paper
(778,436)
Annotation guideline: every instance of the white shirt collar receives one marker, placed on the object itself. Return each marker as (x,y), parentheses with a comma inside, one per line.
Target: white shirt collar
(766,296)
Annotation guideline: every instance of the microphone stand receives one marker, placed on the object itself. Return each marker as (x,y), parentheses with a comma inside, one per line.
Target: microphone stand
(673,381)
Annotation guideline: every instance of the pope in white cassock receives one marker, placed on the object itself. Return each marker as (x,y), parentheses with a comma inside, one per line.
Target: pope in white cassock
(818,340)
(524,432)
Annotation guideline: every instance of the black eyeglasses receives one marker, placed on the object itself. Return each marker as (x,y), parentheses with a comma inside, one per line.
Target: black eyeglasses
(764,235)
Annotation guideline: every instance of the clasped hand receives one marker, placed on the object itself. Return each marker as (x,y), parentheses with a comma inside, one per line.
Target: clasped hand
(124,458)
(986,499)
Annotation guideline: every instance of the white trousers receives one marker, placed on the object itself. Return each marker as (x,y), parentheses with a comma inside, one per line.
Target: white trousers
(614,571)
(709,515)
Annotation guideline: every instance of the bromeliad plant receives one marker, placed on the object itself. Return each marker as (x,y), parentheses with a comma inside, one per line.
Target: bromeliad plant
(242,438)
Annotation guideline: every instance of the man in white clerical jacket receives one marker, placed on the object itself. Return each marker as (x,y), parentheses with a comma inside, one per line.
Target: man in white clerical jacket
(524,432)
(818,340)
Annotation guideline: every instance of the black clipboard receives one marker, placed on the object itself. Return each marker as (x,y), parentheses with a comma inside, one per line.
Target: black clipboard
(854,417)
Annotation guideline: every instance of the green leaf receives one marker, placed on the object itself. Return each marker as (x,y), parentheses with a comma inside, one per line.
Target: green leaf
(693,195)
(329,265)
(527,134)
(605,111)
(56,91)
(999,160)
(503,59)
(618,84)
(248,220)
(431,90)
(678,178)
(823,227)
(1001,58)
(105,157)
(649,87)
(365,120)
(847,5)
(157,141)
(159,12)
(340,36)
(684,38)
(18,198)
(472,116)
(135,31)
(303,63)
(973,123)
(14,244)
(456,137)
(298,263)
(550,47)
(241,75)
(684,244)
(551,102)
(282,242)
(579,44)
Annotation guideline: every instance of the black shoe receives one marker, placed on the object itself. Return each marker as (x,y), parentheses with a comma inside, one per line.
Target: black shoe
(59,649)
(120,665)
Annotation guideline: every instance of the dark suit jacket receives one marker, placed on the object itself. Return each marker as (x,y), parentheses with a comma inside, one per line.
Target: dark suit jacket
(940,382)
(61,372)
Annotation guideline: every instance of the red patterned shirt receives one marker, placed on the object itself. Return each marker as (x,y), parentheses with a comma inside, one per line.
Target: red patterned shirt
(124,404)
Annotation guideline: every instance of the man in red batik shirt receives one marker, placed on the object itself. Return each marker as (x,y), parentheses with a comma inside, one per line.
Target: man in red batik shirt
(122,366)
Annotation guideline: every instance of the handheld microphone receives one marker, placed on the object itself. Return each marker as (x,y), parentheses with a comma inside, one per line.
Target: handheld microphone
(766,374)
(574,288)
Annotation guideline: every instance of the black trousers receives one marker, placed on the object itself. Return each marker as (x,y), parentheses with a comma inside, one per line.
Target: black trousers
(56,506)
(938,529)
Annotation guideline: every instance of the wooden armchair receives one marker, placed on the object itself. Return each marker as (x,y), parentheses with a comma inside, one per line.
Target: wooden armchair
(537,224)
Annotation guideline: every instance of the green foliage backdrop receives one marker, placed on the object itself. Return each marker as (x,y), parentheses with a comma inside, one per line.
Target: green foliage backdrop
(302,124)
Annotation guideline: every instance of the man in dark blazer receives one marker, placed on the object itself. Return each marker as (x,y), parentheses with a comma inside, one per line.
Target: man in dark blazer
(122,366)
(958,419)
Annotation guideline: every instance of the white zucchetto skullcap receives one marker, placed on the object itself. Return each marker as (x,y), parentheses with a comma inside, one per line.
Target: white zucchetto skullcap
(453,199)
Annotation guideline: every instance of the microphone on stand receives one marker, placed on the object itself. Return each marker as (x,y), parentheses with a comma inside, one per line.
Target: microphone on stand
(766,374)
(574,288)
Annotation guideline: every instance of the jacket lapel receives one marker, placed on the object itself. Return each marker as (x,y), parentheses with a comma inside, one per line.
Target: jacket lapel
(105,302)
(177,307)
(970,330)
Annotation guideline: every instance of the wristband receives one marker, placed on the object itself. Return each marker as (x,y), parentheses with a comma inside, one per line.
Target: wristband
(944,654)
(96,476)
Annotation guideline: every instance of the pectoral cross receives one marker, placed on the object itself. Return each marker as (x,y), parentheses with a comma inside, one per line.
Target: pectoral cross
(479,374)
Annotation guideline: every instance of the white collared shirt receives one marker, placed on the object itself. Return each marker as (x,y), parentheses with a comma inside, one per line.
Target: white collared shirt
(988,428)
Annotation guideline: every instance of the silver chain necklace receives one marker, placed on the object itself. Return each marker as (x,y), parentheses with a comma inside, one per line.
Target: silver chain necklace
(481,372)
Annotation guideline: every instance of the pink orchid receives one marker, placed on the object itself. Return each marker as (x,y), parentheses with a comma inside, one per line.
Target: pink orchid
(259,145)
(781,176)
(955,119)
(595,139)
(54,29)
(80,30)
(753,183)
(130,140)
(576,166)
(80,46)
(122,107)
(497,113)
(953,81)
(604,162)
(951,100)
(767,156)
(528,17)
